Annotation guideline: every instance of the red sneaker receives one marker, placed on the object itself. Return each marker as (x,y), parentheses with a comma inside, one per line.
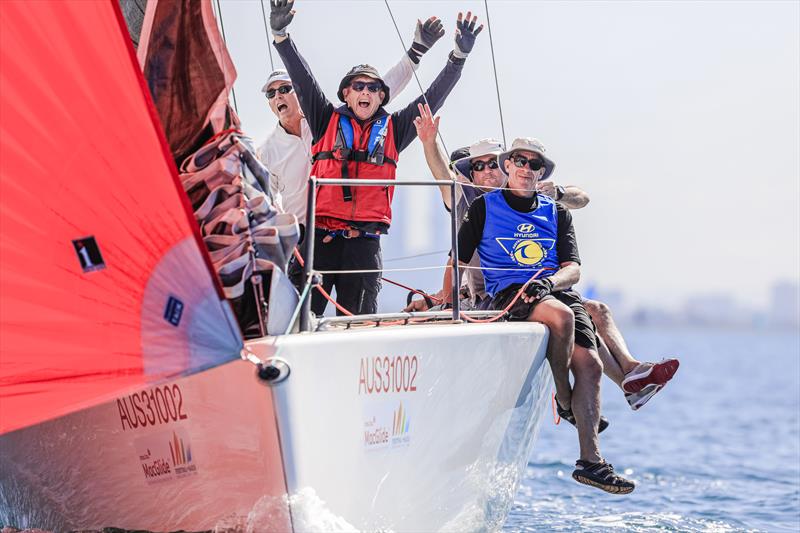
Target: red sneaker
(650,374)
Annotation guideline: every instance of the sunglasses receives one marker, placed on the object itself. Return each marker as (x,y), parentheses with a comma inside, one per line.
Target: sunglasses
(534,164)
(372,86)
(283,89)
(478,166)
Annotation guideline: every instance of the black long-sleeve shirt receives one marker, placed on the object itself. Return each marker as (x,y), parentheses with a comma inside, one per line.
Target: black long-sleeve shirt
(318,109)
(471,231)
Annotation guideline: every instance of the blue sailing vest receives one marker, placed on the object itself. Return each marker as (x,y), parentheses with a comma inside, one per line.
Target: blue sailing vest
(524,242)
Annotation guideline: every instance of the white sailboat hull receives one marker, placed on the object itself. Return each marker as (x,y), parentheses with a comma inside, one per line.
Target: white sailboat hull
(397,428)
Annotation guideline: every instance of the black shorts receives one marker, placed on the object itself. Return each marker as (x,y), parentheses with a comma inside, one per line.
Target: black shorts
(585,333)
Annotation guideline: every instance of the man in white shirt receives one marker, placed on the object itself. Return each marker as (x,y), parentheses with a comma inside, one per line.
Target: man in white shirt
(287,151)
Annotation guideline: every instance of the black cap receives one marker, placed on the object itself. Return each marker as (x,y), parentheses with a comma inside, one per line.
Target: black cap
(363,70)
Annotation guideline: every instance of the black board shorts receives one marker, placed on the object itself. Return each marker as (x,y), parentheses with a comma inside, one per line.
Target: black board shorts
(585,332)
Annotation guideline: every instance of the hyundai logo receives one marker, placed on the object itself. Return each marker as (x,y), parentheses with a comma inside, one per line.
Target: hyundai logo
(525,228)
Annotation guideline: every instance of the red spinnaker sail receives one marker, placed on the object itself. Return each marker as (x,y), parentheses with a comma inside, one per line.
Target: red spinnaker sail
(104,285)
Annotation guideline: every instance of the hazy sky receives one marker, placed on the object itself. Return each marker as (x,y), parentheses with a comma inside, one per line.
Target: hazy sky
(680,119)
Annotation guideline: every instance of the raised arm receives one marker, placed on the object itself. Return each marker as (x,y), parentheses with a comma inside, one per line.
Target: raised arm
(569,196)
(425,37)
(437,93)
(427,127)
(315,105)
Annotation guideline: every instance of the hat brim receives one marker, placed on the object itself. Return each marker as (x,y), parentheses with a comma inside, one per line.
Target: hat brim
(463,165)
(549,166)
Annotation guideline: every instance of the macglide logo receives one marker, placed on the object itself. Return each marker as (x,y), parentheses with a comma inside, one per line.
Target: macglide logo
(156,469)
(181,456)
(375,435)
(387,424)
(400,422)
(166,456)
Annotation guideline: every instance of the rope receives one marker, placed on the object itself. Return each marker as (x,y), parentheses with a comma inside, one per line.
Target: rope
(414,71)
(415,291)
(266,30)
(509,306)
(222,26)
(494,68)
(463,315)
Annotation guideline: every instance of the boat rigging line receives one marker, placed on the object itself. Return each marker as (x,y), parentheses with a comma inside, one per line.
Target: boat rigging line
(494,68)
(414,71)
(222,27)
(266,31)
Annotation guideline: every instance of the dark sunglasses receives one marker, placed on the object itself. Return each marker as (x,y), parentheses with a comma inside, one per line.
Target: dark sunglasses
(283,89)
(478,166)
(372,86)
(534,164)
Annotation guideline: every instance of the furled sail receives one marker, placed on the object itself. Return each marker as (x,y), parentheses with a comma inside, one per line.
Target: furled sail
(105,284)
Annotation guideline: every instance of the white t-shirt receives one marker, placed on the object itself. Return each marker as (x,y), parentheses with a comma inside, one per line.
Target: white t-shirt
(288,157)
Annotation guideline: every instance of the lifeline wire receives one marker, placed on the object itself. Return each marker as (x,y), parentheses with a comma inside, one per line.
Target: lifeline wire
(222,25)
(494,67)
(419,84)
(266,30)
(414,269)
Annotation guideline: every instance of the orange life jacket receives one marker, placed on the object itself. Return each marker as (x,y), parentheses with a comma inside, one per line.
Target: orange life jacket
(350,150)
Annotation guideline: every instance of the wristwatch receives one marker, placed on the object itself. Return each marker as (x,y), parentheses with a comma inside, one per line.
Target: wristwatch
(560,191)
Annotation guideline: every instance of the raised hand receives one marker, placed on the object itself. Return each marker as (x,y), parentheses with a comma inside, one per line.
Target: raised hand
(280,15)
(466,34)
(427,33)
(547,187)
(427,126)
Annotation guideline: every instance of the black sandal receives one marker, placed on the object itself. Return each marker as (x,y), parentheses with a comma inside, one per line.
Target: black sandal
(567,415)
(601,475)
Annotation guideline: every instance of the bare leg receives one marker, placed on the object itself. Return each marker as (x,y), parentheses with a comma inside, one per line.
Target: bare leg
(611,367)
(587,369)
(609,332)
(561,323)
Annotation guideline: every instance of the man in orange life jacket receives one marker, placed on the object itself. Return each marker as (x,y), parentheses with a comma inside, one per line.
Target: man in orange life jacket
(357,140)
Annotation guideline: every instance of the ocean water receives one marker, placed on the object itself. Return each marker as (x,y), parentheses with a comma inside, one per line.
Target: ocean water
(718,449)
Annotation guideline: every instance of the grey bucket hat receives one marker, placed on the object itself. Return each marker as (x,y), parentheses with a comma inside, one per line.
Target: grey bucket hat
(363,70)
(529,144)
(478,149)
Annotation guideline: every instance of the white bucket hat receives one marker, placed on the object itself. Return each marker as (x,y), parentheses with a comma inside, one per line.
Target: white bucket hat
(529,144)
(277,75)
(478,149)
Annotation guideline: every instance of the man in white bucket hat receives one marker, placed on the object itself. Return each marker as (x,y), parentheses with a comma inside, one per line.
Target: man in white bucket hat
(526,239)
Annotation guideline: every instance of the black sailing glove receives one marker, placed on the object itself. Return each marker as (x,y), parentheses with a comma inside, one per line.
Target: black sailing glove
(539,288)
(280,15)
(465,35)
(425,36)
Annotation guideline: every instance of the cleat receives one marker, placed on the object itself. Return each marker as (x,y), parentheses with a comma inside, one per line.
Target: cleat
(601,475)
(649,374)
(637,399)
(567,415)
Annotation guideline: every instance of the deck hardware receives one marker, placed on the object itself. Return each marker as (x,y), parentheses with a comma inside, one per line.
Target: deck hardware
(273,370)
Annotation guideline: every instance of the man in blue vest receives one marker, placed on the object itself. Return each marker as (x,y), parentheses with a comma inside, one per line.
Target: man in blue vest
(528,243)
(477,165)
